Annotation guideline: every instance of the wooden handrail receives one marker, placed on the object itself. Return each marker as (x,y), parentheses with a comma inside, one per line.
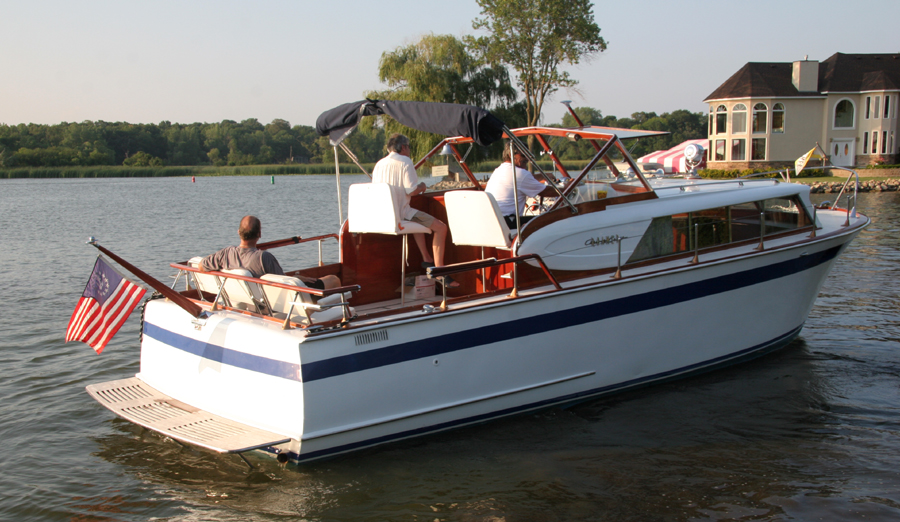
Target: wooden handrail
(292,241)
(440,271)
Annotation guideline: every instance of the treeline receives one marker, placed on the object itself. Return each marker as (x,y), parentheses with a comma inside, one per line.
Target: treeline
(227,143)
(233,144)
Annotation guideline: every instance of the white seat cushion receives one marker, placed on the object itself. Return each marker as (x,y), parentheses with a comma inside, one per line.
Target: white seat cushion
(280,299)
(242,294)
(204,282)
(374,208)
(475,219)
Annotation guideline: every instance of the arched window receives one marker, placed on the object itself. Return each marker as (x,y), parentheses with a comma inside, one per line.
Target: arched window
(760,111)
(777,118)
(739,119)
(721,119)
(843,114)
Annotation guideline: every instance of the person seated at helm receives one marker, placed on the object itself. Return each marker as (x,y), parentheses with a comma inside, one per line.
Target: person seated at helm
(500,185)
(397,169)
(257,262)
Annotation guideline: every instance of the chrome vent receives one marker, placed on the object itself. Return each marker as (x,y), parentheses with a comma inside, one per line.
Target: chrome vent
(371,337)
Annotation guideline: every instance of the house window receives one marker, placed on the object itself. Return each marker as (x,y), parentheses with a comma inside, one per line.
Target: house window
(888,107)
(868,106)
(758,149)
(865,143)
(884,142)
(875,142)
(843,115)
(759,118)
(720,150)
(721,119)
(891,146)
(738,150)
(739,119)
(875,113)
(778,118)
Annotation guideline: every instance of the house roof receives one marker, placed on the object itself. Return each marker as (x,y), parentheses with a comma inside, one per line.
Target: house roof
(839,73)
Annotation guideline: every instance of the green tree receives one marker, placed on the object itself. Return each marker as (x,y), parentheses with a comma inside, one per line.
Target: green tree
(439,68)
(536,38)
(142,159)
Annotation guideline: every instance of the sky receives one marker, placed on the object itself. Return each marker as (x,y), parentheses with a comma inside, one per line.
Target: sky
(206,61)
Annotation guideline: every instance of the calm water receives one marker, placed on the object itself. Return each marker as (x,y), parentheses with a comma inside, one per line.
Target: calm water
(809,433)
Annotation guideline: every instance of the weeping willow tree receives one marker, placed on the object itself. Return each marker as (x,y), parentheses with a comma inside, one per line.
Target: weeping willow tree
(439,68)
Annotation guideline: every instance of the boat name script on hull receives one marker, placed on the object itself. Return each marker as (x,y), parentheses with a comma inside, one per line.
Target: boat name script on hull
(606,240)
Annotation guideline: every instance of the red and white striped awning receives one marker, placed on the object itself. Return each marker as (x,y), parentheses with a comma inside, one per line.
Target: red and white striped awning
(672,160)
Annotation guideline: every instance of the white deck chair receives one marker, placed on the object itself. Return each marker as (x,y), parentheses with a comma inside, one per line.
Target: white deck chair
(374,208)
(280,299)
(244,294)
(204,282)
(475,219)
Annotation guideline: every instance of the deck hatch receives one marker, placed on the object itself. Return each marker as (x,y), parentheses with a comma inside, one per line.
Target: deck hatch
(135,401)
(371,337)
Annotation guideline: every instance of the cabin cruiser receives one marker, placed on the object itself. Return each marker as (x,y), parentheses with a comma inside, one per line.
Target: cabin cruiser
(619,281)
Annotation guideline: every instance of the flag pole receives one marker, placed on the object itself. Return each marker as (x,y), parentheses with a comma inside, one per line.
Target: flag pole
(172,295)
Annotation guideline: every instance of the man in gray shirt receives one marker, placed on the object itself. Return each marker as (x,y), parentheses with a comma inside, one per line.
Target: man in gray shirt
(258,262)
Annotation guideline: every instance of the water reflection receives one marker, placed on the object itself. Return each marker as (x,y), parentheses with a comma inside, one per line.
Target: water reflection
(743,442)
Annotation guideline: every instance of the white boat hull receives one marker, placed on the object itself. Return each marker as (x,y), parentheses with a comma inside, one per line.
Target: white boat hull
(348,389)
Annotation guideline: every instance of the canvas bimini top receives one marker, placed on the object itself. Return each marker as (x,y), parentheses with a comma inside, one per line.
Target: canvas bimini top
(447,119)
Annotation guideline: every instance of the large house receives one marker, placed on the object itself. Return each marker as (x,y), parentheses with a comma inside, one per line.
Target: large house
(769,114)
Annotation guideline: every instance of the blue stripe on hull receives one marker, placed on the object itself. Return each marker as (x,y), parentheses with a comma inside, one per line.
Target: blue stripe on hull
(705,366)
(220,354)
(557,320)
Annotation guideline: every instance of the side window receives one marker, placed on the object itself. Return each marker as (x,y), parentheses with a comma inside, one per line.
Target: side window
(777,118)
(739,119)
(718,226)
(720,150)
(738,149)
(758,149)
(721,119)
(759,118)
(843,115)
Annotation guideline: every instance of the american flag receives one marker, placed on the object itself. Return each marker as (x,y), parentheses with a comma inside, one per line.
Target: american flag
(105,304)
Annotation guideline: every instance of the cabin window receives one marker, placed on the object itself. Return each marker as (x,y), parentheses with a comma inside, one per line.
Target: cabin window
(721,119)
(843,115)
(759,118)
(738,150)
(758,149)
(778,118)
(739,119)
(676,234)
(720,150)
